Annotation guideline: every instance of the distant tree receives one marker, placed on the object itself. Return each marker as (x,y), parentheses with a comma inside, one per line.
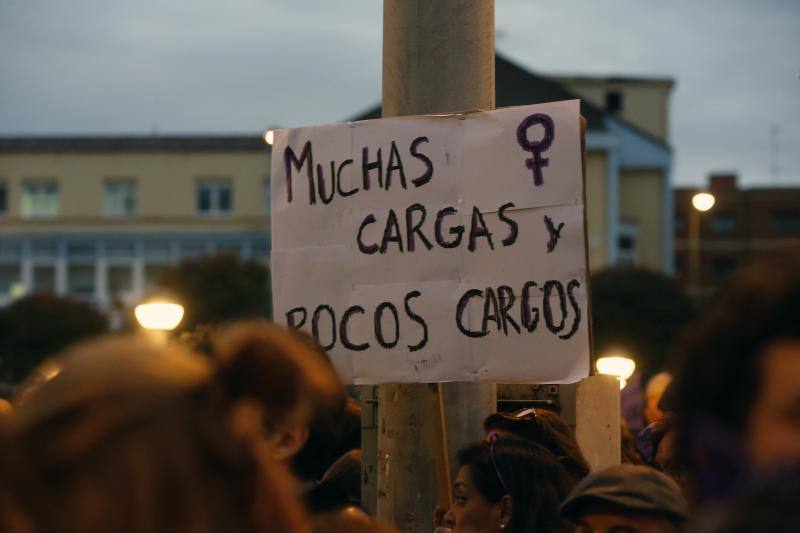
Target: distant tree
(638,311)
(218,288)
(37,326)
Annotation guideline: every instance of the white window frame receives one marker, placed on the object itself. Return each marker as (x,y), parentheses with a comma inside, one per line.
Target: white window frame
(127,200)
(38,205)
(215,187)
(4,208)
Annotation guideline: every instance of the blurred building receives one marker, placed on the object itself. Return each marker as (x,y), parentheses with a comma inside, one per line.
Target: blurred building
(742,226)
(99,217)
(628,165)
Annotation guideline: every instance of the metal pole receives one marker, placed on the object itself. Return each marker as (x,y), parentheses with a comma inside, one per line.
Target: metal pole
(694,250)
(438,57)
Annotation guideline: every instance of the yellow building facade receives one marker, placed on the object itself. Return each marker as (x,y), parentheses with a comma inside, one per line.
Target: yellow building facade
(99,217)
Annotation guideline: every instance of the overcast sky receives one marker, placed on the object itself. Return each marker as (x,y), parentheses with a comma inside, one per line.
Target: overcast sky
(177,66)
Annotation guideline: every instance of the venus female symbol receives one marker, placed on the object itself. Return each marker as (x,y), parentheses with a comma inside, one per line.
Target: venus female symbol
(536,148)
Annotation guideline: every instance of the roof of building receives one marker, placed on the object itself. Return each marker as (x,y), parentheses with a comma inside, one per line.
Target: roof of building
(612,79)
(515,85)
(132,143)
(518,86)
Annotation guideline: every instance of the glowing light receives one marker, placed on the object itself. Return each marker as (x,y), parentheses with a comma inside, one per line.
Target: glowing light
(159,315)
(703,201)
(269,137)
(622,383)
(616,365)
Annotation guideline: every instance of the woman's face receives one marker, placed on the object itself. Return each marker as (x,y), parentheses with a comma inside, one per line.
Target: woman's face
(470,512)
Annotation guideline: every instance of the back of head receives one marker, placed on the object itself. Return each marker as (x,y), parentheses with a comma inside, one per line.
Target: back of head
(125,437)
(293,381)
(275,366)
(529,473)
(628,490)
(546,428)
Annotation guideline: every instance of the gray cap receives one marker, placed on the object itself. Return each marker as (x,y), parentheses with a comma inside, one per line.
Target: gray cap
(636,489)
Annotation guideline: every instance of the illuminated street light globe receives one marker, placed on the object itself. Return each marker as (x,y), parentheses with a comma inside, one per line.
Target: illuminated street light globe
(161,316)
(703,201)
(269,137)
(619,366)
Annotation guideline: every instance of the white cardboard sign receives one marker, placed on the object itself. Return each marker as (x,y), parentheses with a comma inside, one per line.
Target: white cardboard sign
(436,248)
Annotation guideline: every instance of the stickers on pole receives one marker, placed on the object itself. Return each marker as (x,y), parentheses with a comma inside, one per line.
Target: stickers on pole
(436,248)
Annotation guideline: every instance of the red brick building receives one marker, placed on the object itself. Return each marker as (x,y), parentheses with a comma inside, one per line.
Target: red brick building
(744,225)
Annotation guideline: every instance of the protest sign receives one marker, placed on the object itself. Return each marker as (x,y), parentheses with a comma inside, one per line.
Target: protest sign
(436,248)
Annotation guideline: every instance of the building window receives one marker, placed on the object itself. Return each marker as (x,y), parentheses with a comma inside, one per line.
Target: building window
(214,197)
(193,249)
(9,279)
(80,280)
(613,101)
(723,223)
(10,249)
(120,198)
(785,220)
(81,250)
(44,278)
(3,198)
(39,199)
(626,243)
(120,282)
(121,249)
(44,249)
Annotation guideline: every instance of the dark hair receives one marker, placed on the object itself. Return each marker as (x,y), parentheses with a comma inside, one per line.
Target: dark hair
(548,429)
(139,447)
(530,474)
(719,375)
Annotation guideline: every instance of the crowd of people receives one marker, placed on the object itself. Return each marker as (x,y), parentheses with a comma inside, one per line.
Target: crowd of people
(251,430)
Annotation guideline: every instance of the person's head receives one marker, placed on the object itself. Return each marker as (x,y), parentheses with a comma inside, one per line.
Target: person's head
(340,486)
(5,412)
(126,436)
(507,484)
(546,428)
(739,384)
(629,498)
(284,379)
(654,390)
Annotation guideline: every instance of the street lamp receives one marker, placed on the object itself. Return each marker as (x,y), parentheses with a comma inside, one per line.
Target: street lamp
(620,366)
(269,137)
(159,317)
(701,202)
(163,316)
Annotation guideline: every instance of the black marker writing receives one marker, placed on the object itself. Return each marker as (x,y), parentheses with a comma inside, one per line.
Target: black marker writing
(555,233)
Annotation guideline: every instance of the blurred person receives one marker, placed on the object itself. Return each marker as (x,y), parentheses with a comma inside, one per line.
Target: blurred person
(287,376)
(126,436)
(546,428)
(654,390)
(350,519)
(340,487)
(507,485)
(629,454)
(737,394)
(5,412)
(627,498)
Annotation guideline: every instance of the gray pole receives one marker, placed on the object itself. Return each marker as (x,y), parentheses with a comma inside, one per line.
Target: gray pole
(438,57)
